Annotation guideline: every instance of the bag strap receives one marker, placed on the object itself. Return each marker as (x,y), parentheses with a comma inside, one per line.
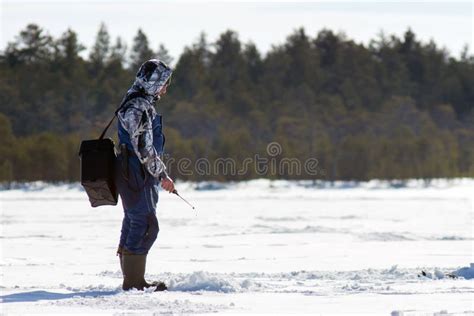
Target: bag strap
(125,100)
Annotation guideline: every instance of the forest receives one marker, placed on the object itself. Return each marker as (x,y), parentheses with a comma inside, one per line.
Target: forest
(395,108)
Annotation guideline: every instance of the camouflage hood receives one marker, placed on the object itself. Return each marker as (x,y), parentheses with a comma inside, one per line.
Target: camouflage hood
(151,77)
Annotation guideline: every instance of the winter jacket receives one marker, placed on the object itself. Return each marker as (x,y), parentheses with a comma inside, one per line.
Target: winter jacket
(138,114)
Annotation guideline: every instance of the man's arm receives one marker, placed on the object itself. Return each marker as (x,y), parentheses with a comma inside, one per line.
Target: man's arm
(137,120)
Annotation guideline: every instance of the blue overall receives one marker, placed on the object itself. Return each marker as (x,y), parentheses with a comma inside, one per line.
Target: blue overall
(139,193)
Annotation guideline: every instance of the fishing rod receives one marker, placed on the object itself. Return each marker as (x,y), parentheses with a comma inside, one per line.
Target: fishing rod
(176,192)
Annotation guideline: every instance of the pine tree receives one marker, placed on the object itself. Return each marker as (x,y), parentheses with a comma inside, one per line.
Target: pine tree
(101,49)
(68,47)
(141,51)
(191,71)
(31,46)
(253,59)
(163,55)
(228,75)
(118,52)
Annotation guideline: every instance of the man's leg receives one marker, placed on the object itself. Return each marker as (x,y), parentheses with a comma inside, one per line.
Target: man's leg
(125,229)
(142,234)
(123,236)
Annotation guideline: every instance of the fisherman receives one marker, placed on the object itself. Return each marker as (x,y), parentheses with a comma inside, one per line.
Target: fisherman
(140,169)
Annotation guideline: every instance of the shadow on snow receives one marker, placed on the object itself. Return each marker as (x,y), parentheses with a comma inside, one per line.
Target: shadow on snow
(35,296)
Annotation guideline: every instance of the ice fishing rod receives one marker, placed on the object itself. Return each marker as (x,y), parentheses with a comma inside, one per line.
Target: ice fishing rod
(176,192)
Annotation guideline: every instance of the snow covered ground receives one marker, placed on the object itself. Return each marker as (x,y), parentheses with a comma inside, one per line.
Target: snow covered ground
(252,247)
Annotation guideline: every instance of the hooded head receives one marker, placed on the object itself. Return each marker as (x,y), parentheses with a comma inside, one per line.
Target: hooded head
(152,76)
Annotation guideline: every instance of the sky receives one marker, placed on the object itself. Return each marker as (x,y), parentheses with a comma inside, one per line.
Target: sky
(177,24)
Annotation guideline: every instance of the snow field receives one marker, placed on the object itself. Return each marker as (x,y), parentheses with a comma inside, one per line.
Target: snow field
(252,247)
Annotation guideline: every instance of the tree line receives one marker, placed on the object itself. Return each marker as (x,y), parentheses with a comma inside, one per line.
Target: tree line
(395,108)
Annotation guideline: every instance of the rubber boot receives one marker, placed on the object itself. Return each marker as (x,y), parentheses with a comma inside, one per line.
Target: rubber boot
(134,273)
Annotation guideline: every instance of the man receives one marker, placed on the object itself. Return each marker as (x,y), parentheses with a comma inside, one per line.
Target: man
(140,170)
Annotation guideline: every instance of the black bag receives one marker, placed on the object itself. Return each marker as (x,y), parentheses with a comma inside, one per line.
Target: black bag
(98,158)
(97,171)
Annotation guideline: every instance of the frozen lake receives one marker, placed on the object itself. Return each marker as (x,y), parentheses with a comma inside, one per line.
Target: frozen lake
(251,247)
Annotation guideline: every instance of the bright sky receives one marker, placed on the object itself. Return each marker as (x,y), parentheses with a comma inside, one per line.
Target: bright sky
(178,23)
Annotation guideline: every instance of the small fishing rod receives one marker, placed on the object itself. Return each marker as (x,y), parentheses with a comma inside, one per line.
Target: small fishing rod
(176,192)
